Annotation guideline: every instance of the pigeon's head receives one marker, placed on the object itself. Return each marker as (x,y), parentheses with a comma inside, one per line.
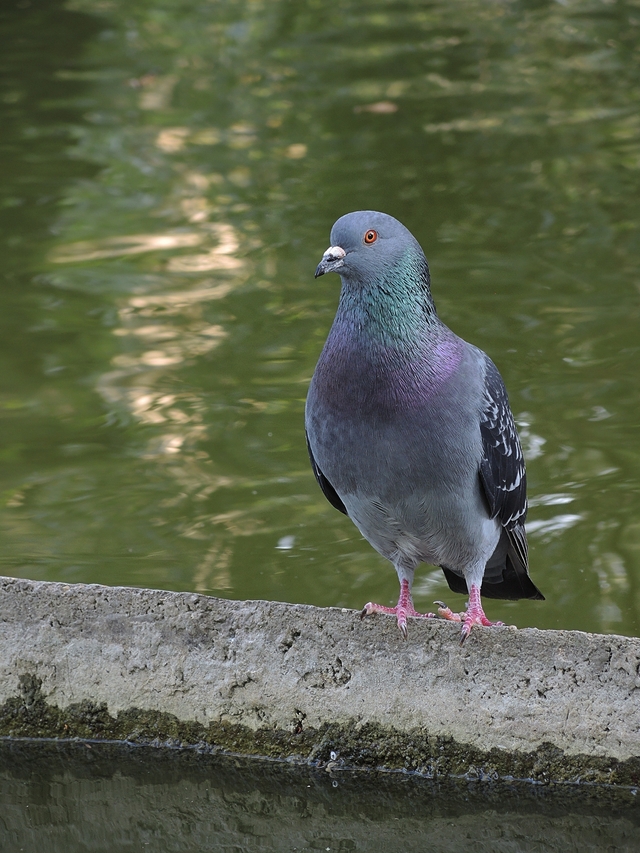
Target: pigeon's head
(368,246)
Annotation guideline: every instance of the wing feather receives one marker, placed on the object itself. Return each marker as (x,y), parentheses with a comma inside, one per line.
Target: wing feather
(329,492)
(502,468)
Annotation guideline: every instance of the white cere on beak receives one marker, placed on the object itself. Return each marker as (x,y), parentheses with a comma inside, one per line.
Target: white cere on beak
(334,253)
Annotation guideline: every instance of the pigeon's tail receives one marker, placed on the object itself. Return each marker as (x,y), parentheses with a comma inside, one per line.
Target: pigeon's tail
(505,576)
(512,585)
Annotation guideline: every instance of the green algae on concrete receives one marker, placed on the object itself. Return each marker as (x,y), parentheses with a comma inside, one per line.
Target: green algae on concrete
(332,746)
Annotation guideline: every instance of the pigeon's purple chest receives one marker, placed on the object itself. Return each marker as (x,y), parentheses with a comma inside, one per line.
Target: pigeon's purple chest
(378,383)
(379,410)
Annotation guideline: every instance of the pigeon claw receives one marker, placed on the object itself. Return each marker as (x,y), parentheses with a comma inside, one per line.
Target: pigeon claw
(402,625)
(368,609)
(470,620)
(401,611)
(446,612)
(473,615)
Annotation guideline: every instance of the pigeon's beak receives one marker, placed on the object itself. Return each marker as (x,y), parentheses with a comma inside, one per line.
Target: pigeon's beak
(331,261)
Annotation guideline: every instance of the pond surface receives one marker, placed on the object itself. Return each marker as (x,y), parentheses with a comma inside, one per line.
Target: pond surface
(73,798)
(170,174)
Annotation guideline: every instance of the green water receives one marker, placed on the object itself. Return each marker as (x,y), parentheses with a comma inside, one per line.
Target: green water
(74,798)
(170,173)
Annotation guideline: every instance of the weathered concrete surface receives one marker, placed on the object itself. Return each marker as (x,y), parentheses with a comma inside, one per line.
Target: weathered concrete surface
(292,680)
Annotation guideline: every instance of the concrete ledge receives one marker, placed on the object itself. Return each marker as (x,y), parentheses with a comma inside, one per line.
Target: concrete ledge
(319,685)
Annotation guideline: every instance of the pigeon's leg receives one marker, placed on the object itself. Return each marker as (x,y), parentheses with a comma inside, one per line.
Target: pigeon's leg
(474,614)
(403,608)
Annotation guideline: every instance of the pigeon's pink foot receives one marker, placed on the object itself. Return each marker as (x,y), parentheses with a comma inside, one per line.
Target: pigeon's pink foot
(473,615)
(401,611)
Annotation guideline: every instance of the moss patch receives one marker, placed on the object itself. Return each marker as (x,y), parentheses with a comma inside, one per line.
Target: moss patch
(333,745)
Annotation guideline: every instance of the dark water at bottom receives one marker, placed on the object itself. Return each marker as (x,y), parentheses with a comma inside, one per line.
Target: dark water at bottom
(81,797)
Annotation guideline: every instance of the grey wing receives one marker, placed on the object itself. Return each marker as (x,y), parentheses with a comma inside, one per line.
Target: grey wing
(329,492)
(502,469)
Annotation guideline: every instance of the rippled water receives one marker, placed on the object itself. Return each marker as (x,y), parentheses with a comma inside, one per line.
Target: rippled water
(170,174)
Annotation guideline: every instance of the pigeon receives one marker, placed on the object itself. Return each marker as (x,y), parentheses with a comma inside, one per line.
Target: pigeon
(409,428)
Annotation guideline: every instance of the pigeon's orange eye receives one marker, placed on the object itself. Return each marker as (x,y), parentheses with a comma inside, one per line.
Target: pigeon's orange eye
(371,236)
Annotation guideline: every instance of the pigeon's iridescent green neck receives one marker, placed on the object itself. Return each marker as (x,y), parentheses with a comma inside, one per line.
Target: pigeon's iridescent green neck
(394,307)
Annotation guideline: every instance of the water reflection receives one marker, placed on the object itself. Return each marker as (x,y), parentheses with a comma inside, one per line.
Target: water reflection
(109,798)
(118,247)
(164,323)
